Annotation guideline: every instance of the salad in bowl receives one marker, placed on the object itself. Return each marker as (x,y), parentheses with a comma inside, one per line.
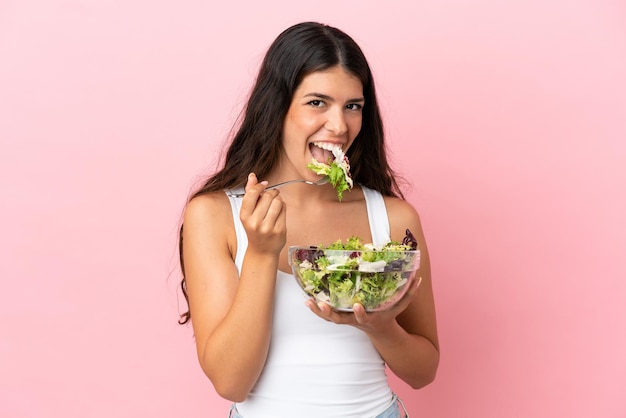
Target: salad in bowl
(344,273)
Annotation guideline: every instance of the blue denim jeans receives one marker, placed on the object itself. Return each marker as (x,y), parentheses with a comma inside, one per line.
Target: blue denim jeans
(392,412)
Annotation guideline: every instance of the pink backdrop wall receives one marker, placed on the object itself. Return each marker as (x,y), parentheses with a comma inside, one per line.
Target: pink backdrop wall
(507,117)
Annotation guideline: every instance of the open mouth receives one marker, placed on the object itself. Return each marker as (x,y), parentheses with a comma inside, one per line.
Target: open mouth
(324,152)
(330,161)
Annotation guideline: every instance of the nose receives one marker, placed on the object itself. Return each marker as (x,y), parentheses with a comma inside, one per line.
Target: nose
(336,122)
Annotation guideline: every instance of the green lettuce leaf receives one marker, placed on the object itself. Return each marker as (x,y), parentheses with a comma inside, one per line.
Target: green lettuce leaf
(336,175)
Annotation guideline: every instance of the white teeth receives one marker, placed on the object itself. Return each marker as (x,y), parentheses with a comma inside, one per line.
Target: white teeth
(338,153)
(336,149)
(327,146)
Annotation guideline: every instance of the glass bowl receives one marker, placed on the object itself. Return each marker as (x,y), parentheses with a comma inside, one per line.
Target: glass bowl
(376,279)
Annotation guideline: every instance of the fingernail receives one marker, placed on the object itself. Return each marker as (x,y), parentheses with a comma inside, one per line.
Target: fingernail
(264,182)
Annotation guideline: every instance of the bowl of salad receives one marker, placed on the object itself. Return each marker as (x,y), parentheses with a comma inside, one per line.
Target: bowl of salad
(344,273)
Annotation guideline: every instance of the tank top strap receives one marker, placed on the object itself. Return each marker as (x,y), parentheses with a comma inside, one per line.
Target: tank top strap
(377,215)
(242,237)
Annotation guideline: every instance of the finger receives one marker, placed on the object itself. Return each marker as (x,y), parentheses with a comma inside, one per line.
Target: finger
(275,213)
(413,289)
(324,310)
(253,189)
(256,205)
(317,308)
(418,282)
(359,313)
(268,206)
(409,297)
(282,216)
(251,182)
(410,292)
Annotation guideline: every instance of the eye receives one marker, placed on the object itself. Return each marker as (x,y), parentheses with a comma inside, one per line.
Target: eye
(316,103)
(354,106)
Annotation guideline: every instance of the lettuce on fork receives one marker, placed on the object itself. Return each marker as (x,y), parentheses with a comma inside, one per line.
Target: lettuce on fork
(337,171)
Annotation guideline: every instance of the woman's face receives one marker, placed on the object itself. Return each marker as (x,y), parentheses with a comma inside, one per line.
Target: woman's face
(325,112)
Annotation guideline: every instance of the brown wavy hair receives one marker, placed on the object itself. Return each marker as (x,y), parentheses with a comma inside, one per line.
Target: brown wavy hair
(256,145)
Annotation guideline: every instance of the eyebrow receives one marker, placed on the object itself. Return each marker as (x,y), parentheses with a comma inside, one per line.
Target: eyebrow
(326,97)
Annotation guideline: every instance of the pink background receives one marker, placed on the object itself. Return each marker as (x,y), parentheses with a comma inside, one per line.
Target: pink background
(509,119)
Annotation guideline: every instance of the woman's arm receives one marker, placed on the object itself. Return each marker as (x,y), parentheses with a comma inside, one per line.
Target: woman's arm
(406,335)
(231,314)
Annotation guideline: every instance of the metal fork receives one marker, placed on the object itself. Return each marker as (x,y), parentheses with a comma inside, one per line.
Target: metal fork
(319,182)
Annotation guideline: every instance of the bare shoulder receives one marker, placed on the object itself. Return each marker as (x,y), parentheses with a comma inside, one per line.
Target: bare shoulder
(208,220)
(205,206)
(402,216)
(400,207)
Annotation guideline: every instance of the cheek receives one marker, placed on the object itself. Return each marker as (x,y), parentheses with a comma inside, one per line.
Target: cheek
(300,121)
(309,122)
(355,126)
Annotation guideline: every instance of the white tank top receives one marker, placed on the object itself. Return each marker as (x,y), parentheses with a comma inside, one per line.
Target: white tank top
(315,368)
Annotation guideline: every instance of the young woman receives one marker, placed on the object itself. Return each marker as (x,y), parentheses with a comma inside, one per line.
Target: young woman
(262,345)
